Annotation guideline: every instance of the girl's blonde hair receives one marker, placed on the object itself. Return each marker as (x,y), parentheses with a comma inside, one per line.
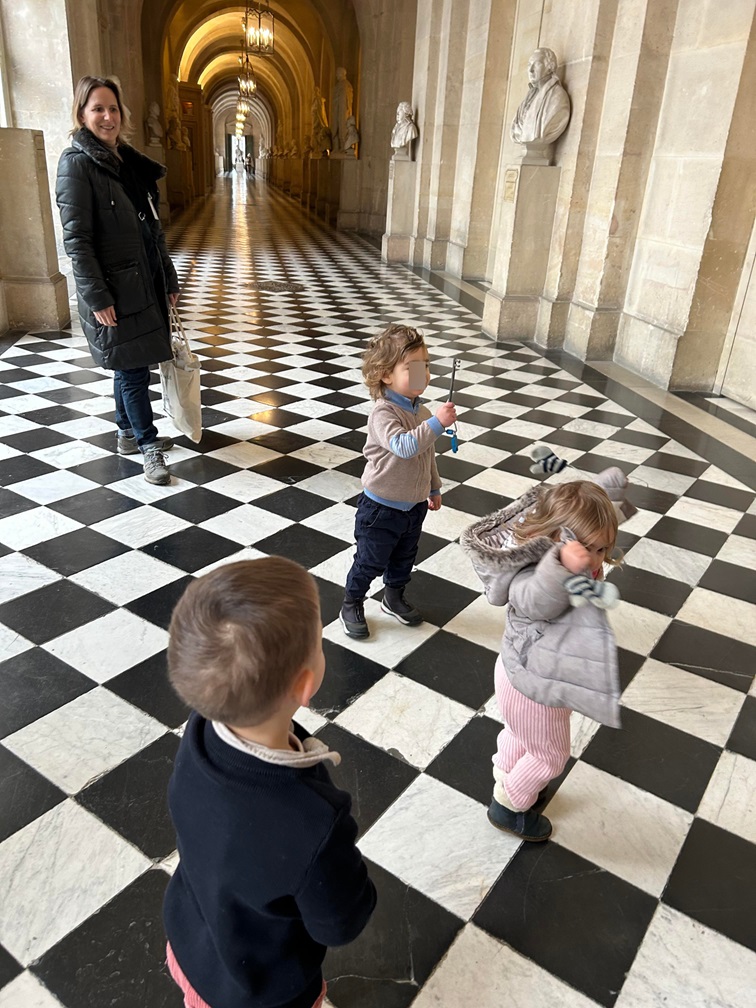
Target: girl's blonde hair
(84,89)
(384,352)
(582,507)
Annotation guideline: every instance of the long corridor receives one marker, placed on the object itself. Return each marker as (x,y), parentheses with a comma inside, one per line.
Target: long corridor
(643,897)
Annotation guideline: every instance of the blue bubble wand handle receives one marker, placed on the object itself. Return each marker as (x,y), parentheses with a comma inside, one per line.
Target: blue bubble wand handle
(452,432)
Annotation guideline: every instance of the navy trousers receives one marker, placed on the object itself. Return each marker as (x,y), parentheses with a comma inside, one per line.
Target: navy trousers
(133,408)
(387,542)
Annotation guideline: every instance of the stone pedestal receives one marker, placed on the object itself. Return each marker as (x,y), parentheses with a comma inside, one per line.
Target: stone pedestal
(395,244)
(321,201)
(512,305)
(179,179)
(34,292)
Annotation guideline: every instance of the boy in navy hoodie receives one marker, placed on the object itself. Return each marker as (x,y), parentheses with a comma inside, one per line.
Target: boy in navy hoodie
(269,872)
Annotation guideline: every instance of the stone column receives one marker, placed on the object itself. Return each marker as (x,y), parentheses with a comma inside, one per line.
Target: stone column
(34,291)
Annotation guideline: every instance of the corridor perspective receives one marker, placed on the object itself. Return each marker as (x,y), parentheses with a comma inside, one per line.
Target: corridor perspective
(644,894)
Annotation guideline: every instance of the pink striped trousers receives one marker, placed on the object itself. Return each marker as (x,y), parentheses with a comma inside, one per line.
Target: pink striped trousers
(533,748)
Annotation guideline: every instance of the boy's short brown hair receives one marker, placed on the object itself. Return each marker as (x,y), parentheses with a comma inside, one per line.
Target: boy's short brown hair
(384,352)
(239,636)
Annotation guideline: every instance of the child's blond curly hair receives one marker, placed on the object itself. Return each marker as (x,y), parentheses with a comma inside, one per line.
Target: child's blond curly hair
(384,352)
(581,506)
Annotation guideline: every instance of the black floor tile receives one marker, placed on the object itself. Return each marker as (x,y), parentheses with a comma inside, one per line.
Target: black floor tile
(132,798)
(474,501)
(713,871)
(48,612)
(688,535)
(117,956)
(331,597)
(35,440)
(49,416)
(76,551)
(453,666)
(201,469)
(287,469)
(146,686)
(348,675)
(404,940)
(650,499)
(9,968)
(729,579)
(283,441)
(12,503)
(676,464)
(654,756)
(211,441)
(439,600)
(196,505)
(33,684)
(502,441)
(372,777)
(714,493)
(746,526)
(94,506)
(191,549)
(279,417)
(743,736)
(465,763)
(24,794)
(710,655)
(652,591)
(593,463)
(110,469)
(353,440)
(157,606)
(307,546)
(22,467)
(518,464)
(571,439)
(562,912)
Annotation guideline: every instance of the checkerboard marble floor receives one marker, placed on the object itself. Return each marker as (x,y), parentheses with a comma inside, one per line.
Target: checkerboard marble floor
(643,897)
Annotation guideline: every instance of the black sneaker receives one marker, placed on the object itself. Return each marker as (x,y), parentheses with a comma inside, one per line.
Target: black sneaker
(395,604)
(352,618)
(128,445)
(526,825)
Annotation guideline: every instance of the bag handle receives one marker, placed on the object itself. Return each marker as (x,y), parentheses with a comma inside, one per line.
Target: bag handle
(178,328)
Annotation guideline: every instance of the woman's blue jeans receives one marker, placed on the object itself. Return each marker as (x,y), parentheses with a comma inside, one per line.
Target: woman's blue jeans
(133,408)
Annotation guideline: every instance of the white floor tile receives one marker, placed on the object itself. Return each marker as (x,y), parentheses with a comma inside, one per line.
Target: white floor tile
(405,718)
(20,574)
(720,614)
(730,798)
(684,700)
(617,826)
(128,638)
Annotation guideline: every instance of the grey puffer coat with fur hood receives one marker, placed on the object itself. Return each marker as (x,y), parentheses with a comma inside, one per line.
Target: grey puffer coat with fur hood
(553,653)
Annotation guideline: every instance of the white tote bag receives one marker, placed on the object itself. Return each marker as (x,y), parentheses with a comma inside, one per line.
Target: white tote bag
(181,383)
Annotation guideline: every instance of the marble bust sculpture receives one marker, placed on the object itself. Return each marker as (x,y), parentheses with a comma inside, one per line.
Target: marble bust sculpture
(405,130)
(545,111)
(154,126)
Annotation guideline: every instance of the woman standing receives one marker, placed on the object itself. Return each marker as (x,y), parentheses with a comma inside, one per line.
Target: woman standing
(108,197)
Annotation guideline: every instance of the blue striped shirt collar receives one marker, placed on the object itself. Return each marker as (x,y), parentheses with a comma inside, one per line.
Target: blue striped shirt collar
(411,405)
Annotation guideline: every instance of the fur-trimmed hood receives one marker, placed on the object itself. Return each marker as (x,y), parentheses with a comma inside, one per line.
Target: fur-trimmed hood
(85,141)
(495,564)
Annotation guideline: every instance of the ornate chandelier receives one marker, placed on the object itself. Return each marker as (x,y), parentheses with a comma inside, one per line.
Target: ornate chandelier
(259,29)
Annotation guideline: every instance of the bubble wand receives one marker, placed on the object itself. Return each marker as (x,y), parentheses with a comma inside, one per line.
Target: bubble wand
(452,431)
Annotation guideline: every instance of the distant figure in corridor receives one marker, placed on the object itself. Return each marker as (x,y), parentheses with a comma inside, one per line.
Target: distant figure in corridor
(108,198)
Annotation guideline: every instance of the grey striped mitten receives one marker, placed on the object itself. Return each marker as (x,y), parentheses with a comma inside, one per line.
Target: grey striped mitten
(583,589)
(545,461)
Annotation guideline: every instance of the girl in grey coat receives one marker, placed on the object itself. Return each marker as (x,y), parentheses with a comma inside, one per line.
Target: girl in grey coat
(538,557)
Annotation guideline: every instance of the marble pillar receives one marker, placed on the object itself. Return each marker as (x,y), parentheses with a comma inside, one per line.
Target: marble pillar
(34,291)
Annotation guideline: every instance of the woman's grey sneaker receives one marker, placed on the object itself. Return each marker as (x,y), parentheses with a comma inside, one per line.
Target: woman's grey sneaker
(395,604)
(528,825)
(155,469)
(352,618)
(128,445)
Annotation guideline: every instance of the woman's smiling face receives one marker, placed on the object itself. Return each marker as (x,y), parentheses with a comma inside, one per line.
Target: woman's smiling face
(102,116)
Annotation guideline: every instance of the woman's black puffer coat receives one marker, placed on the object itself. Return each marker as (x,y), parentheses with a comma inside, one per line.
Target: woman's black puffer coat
(105,238)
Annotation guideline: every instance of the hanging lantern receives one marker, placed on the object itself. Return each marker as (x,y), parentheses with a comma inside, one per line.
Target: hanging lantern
(259,29)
